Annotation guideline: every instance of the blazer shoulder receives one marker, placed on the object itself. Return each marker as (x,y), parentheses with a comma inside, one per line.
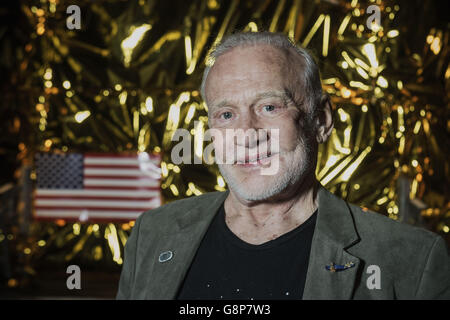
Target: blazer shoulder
(414,260)
(368,221)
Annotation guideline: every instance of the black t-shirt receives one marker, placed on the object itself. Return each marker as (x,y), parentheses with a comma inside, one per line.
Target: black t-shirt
(226,267)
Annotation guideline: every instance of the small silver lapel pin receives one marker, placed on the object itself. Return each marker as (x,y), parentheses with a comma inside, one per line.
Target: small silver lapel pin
(165,256)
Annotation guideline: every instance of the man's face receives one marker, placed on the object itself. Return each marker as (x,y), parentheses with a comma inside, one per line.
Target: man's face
(250,88)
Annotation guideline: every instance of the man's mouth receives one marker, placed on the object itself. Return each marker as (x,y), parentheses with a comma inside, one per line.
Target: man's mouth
(255,161)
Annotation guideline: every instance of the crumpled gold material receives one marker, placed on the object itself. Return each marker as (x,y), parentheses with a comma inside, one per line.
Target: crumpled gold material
(135,68)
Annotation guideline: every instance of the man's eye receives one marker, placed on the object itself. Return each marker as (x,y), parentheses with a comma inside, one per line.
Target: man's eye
(269,108)
(226,115)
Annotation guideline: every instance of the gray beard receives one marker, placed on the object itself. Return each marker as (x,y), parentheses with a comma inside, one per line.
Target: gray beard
(299,162)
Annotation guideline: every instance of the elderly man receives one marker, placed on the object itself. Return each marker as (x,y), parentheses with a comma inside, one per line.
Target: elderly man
(282,235)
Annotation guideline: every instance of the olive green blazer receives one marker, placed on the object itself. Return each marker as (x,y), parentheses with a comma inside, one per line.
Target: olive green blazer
(385,259)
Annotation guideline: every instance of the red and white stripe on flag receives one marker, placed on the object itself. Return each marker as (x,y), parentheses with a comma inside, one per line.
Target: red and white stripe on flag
(96,187)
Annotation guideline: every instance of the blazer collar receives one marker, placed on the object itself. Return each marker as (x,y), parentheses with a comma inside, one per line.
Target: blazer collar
(334,222)
(203,210)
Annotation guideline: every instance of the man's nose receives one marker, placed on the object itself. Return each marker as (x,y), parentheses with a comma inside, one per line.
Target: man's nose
(253,133)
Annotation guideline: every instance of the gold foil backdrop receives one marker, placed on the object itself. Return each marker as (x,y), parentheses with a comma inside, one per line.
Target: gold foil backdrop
(130,77)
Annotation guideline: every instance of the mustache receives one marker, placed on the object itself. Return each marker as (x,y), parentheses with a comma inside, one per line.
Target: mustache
(252,155)
(249,159)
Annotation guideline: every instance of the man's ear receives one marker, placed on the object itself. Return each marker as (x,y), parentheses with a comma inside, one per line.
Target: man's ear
(324,119)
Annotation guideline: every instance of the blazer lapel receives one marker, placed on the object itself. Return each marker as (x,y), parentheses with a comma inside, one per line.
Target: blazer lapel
(183,243)
(333,235)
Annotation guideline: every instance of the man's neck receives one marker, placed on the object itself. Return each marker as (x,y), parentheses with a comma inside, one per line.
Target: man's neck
(261,221)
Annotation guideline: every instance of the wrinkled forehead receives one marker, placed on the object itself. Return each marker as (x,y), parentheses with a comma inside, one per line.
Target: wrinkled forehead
(262,64)
(247,56)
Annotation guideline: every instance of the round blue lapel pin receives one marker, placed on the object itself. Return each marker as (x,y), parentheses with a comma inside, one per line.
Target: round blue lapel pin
(165,256)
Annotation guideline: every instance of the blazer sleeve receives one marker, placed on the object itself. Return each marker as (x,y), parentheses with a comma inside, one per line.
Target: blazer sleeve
(126,281)
(435,280)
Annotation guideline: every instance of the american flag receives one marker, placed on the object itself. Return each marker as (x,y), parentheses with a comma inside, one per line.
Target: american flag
(83,187)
